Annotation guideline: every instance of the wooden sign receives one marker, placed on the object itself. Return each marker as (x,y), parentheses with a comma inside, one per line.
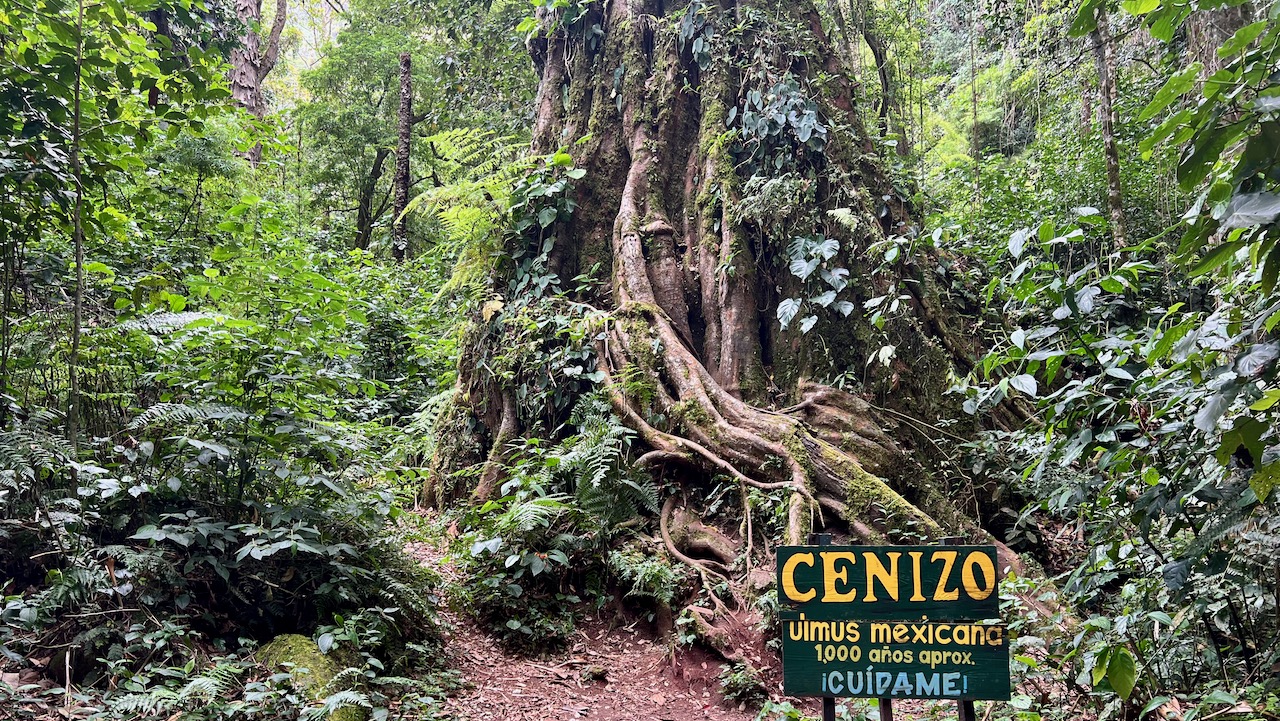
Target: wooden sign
(892,622)
(889,582)
(881,659)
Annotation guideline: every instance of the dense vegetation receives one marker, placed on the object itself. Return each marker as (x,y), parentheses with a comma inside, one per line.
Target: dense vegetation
(286,288)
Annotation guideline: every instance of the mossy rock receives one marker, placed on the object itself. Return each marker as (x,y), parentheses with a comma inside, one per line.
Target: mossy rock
(312,670)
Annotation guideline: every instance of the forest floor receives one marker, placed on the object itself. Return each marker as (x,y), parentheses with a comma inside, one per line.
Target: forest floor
(614,669)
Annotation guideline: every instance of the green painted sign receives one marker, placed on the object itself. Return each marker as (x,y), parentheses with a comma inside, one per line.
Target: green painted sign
(892,622)
(889,582)
(882,659)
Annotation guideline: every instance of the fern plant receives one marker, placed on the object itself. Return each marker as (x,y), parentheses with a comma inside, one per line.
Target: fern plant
(480,169)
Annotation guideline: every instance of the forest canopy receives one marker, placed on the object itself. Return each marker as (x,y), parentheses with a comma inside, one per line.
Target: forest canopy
(337,337)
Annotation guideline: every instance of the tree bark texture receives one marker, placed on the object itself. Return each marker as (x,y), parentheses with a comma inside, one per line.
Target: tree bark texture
(366,213)
(400,232)
(1104,57)
(697,245)
(251,61)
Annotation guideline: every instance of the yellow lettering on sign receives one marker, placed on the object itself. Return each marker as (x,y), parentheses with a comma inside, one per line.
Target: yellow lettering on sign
(971,587)
(888,577)
(881,633)
(789,578)
(830,575)
(915,577)
(937,634)
(940,593)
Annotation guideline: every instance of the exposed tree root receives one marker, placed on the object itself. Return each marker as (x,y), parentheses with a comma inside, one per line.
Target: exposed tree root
(691,299)
(491,474)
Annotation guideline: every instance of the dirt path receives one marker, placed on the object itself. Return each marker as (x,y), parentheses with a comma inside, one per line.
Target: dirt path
(614,670)
(608,674)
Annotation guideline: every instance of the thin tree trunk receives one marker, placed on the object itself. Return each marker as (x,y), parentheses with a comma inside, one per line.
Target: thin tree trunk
(400,232)
(1105,59)
(973,97)
(73,362)
(8,276)
(365,215)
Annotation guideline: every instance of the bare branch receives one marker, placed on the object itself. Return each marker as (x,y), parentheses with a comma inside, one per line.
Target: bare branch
(272,51)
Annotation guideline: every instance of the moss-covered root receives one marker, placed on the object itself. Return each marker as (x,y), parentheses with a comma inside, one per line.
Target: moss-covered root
(312,671)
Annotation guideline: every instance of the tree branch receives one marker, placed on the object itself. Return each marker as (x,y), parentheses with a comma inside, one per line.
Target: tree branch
(272,52)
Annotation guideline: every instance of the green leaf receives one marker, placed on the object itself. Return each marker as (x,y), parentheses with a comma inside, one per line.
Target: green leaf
(1214,258)
(1100,667)
(1086,20)
(1207,147)
(1046,231)
(1111,284)
(1174,88)
(1238,42)
(1153,704)
(149,533)
(1264,480)
(1025,383)
(1219,696)
(1268,399)
(1122,673)
(1139,7)
(1019,338)
(1162,132)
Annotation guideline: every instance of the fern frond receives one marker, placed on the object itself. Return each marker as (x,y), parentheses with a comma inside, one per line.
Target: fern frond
(169,414)
(163,322)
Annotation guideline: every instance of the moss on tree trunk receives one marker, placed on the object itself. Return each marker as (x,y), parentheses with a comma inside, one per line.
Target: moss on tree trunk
(699,176)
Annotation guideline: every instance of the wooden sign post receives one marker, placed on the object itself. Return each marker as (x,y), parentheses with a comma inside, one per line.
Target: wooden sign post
(892,622)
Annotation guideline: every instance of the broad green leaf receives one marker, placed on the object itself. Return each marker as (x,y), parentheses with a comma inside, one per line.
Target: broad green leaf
(1220,696)
(1019,338)
(1252,209)
(1264,480)
(1268,399)
(1025,383)
(1238,42)
(1100,667)
(1046,231)
(787,310)
(1174,88)
(1111,284)
(1206,149)
(1086,20)
(1139,7)
(1162,132)
(1152,705)
(1207,418)
(1215,258)
(1121,671)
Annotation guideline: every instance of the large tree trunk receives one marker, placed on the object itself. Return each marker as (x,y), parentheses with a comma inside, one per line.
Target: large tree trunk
(400,232)
(251,61)
(694,225)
